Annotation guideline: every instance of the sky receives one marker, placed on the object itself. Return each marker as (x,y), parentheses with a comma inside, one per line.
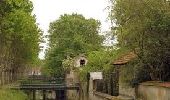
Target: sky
(47,11)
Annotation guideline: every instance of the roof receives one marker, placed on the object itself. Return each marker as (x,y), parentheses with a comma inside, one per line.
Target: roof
(125,59)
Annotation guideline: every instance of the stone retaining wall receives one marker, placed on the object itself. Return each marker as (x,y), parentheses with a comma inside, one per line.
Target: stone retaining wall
(145,91)
(103,96)
(153,91)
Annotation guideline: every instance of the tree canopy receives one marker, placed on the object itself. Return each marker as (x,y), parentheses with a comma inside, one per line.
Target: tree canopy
(143,26)
(19,34)
(71,35)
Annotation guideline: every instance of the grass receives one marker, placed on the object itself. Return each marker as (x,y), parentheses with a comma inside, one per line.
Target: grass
(7,94)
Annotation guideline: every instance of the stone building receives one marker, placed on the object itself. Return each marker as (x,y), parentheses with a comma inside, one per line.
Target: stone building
(80,61)
(122,88)
(72,77)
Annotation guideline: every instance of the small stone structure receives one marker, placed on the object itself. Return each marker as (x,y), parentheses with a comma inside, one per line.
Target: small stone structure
(80,61)
(123,89)
(73,78)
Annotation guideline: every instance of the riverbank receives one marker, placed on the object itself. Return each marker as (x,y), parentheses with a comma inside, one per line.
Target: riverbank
(8,94)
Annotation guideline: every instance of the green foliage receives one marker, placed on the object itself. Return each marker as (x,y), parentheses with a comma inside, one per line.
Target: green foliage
(143,26)
(53,65)
(19,34)
(101,61)
(7,94)
(70,36)
(75,33)
(133,73)
(97,60)
(68,64)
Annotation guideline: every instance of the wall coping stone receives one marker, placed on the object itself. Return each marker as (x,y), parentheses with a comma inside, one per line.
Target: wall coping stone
(156,83)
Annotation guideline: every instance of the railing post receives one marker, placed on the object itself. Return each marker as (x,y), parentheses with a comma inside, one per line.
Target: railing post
(44,94)
(56,95)
(34,94)
(1,76)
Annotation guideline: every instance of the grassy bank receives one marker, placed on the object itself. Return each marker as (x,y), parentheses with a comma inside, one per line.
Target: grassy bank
(7,94)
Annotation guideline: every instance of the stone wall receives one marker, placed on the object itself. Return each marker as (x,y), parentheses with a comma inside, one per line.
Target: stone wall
(103,96)
(94,95)
(126,90)
(145,91)
(71,79)
(154,91)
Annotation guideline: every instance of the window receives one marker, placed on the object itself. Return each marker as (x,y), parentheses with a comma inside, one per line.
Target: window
(82,62)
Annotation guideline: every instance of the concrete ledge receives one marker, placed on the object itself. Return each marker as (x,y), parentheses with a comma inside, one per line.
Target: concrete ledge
(109,97)
(156,83)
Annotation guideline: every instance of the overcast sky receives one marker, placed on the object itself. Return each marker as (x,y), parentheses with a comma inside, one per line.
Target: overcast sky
(47,11)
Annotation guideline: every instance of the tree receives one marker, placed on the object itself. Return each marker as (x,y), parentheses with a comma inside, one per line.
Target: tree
(144,26)
(97,61)
(19,35)
(71,35)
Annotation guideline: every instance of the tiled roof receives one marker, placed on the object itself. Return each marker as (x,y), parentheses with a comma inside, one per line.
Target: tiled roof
(125,59)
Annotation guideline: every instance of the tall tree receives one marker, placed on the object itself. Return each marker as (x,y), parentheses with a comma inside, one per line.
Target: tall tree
(71,35)
(19,34)
(144,26)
